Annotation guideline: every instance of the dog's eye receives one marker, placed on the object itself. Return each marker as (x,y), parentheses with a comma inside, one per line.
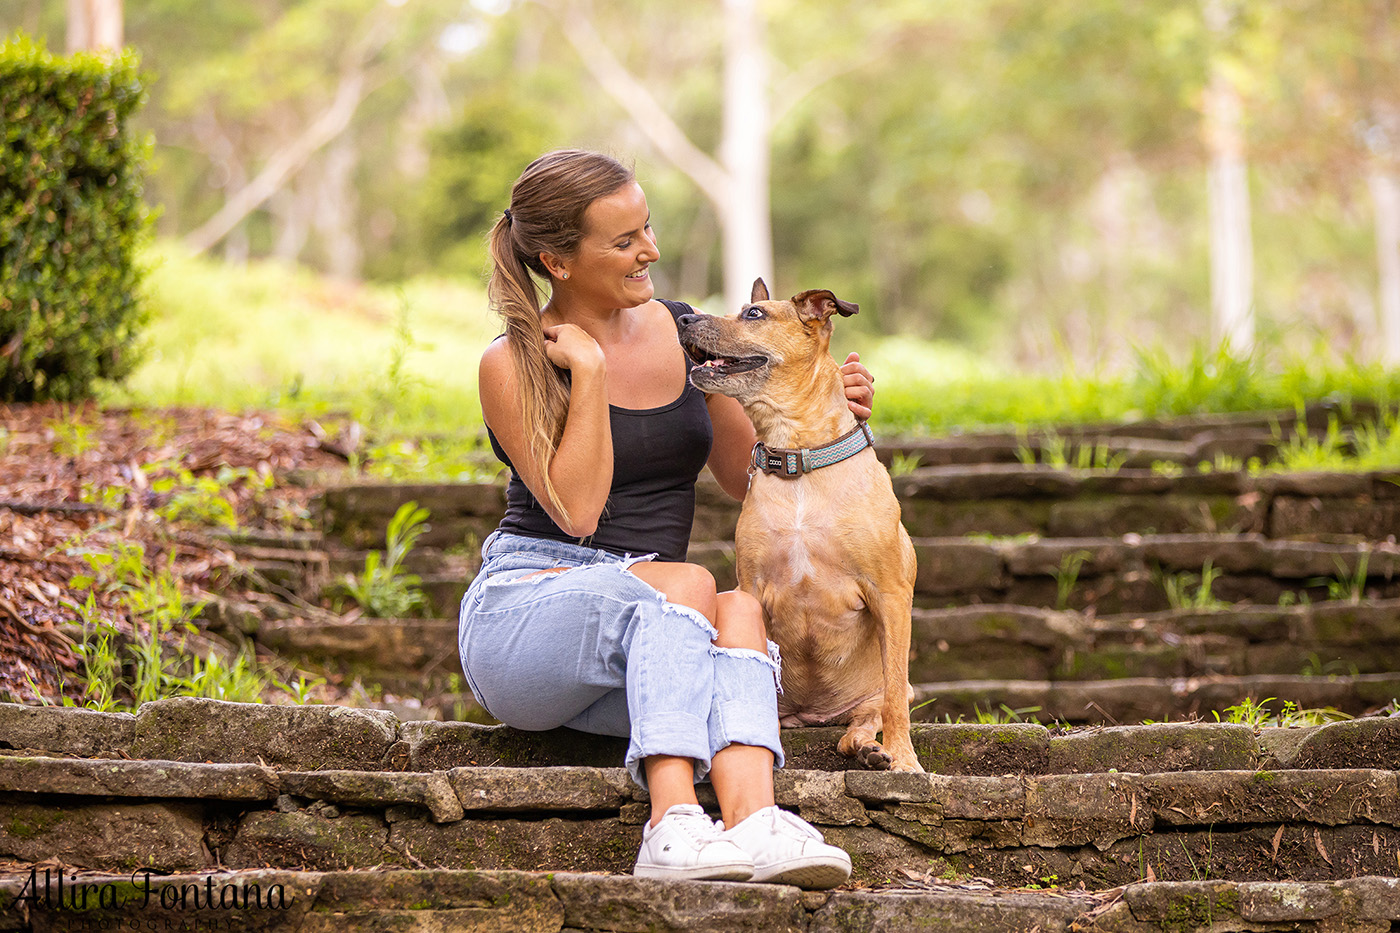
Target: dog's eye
(751,313)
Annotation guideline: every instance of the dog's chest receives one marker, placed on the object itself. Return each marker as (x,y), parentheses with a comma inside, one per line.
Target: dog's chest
(791,532)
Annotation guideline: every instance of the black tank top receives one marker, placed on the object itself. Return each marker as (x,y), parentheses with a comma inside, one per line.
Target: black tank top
(657,455)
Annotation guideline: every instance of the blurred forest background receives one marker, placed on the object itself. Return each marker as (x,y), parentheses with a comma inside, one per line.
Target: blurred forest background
(1037,181)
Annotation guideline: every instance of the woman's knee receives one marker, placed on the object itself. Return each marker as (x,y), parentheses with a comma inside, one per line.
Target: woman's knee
(683,584)
(739,619)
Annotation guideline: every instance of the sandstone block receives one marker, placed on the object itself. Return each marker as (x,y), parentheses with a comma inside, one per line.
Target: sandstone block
(120,836)
(547,788)
(641,905)
(298,738)
(307,841)
(161,779)
(378,789)
(64,730)
(1155,748)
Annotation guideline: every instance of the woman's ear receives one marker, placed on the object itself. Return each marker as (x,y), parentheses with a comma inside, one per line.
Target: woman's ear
(554,266)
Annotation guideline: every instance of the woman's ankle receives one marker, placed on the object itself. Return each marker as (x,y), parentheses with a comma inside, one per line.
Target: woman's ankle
(670,782)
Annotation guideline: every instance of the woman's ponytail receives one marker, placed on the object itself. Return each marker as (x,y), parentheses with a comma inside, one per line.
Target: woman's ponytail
(546,216)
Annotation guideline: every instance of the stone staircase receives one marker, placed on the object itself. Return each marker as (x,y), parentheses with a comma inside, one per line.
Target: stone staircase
(1134,827)
(1099,792)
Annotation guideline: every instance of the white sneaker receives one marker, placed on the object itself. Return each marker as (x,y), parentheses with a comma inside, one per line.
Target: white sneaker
(686,844)
(787,850)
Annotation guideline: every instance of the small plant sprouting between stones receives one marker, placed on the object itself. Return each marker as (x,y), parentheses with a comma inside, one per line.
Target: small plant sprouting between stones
(1257,714)
(1057,452)
(1349,585)
(1005,715)
(903,464)
(1067,575)
(384,589)
(1180,592)
(1316,667)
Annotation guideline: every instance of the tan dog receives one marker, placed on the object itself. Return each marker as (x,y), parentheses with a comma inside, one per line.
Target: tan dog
(823,551)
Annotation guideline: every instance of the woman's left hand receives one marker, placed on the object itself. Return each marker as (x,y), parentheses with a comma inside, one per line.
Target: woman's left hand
(860,386)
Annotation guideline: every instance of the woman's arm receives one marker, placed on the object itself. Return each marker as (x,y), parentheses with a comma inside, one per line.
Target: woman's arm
(582,467)
(734,434)
(733,446)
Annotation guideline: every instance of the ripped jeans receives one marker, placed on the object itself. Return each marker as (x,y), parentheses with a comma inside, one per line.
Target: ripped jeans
(596,649)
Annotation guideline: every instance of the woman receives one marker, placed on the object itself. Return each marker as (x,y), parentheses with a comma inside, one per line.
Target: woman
(585,613)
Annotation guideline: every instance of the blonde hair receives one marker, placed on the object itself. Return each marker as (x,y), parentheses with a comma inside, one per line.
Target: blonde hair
(547,205)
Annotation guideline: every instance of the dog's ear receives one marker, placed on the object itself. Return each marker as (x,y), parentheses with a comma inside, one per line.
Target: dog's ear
(819,304)
(760,291)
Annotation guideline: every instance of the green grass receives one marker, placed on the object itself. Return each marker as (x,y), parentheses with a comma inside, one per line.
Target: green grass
(925,388)
(403,360)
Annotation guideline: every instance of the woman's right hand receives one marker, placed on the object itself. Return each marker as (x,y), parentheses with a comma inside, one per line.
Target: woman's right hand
(570,347)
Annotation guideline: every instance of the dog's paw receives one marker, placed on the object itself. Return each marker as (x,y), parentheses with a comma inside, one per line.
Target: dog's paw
(910,767)
(874,757)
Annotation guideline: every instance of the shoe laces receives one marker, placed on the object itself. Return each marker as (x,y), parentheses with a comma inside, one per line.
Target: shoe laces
(694,823)
(786,823)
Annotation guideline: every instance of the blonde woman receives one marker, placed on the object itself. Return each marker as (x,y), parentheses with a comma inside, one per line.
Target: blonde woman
(585,613)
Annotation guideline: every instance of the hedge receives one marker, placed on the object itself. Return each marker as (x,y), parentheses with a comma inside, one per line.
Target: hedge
(71,218)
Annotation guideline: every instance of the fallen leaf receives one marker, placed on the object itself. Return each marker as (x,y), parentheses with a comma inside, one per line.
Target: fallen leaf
(1321,849)
(1278,837)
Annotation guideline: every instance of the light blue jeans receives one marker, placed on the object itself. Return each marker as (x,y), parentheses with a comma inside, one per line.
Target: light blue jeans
(596,649)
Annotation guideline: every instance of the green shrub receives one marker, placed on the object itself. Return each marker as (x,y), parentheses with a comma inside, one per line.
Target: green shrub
(71,218)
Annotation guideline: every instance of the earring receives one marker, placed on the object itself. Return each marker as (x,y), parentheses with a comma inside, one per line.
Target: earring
(563,275)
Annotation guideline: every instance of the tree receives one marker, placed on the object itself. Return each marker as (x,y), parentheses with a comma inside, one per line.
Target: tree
(1231,240)
(94,25)
(736,182)
(1339,116)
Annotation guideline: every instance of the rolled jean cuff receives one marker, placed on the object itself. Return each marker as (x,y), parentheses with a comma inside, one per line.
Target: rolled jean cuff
(676,734)
(745,711)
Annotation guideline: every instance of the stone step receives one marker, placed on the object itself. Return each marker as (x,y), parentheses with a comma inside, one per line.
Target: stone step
(532,902)
(979,642)
(1101,829)
(1130,573)
(1147,699)
(1195,429)
(1008,642)
(314,738)
(985,499)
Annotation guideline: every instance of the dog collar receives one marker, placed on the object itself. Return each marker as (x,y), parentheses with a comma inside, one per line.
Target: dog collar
(789,463)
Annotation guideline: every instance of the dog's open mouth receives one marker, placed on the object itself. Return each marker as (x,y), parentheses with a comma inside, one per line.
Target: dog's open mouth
(723,365)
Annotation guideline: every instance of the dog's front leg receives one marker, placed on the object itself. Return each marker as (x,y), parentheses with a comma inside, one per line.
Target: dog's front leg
(893,609)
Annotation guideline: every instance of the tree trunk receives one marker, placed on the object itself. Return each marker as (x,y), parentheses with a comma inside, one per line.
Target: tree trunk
(1231,243)
(292,208)
(736,183)
(1385,192)
(94,25)
(745,153)
(336,207)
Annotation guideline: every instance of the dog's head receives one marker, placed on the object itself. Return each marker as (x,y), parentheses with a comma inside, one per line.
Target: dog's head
(745,354)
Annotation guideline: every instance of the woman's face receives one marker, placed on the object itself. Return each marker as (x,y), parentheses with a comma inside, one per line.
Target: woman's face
(610,267)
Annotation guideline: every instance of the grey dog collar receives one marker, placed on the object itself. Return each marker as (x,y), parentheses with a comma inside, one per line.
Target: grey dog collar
(791,463)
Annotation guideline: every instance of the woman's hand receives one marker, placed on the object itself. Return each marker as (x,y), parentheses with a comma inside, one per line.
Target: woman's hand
(570,347)
(860,386)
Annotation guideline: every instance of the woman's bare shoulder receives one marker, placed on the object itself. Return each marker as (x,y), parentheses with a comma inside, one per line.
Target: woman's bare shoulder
(497,368)
(497,352)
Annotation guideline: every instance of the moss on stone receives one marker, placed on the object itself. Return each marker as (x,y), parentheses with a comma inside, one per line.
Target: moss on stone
(42,821)
(1188,912)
